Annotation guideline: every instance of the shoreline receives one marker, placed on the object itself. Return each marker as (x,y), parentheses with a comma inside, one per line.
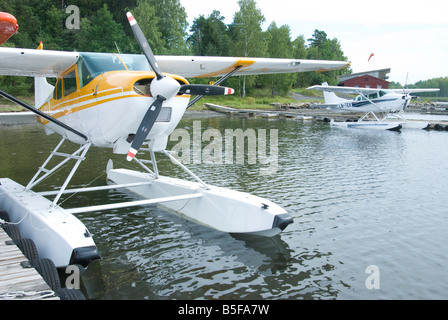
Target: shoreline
(28,117)
(308,111)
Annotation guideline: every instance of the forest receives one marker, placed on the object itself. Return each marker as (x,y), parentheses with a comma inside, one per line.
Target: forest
(101,26)
(441,83)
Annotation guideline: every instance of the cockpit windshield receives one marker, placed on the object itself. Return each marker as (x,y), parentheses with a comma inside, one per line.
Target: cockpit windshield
(135,62)
(98,63)
(92,64)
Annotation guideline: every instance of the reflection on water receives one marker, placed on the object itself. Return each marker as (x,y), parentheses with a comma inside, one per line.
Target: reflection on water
(358,198)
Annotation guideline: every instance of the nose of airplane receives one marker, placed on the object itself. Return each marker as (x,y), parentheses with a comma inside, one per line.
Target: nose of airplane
(407,99)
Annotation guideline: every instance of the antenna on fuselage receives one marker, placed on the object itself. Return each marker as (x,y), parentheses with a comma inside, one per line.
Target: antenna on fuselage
(116,46)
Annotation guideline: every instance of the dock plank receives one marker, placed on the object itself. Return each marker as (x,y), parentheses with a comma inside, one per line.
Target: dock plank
(17,282)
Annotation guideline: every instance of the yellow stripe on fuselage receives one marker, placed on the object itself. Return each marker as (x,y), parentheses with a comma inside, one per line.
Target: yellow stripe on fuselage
(91,102)
(105,88)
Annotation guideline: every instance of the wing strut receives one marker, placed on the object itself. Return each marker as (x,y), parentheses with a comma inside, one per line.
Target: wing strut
(42,114)
(370,112)
(192,102)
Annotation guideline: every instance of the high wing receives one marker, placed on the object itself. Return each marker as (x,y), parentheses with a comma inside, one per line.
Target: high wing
(347,90)
(35,63)
(414,90)
(204,67)
(48,63)
(365,91)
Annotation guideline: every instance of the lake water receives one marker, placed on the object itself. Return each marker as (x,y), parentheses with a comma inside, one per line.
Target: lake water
(370,216)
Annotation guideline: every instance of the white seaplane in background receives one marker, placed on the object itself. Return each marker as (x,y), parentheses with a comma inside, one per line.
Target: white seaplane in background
(125,102)
(390,103)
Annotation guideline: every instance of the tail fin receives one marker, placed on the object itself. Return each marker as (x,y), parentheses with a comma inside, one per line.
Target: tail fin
(331,97)
(42,89)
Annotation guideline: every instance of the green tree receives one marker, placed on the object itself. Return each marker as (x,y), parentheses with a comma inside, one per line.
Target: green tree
(318,45)
(172,24)
(217,38)
(299,48)
(197,33)
(441,83)
(209,36)
(53,34)
(148,21)
(101,33)
(300,52)
(279,46)
(247,35)
(322,48)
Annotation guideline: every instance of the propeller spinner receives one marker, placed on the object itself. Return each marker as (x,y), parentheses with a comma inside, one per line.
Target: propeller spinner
(162,88)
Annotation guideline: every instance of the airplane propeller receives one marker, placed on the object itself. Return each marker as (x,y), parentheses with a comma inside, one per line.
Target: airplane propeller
(163,88)
(138,33)
(407,96)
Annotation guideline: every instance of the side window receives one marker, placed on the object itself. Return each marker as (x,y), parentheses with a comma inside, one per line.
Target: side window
(57,93)
(83,73)
(70,83)
(373,96)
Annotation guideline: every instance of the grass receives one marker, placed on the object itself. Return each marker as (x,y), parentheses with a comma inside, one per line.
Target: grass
(309,93)
(258,99)
(9,106)
(429,100)
(241,103)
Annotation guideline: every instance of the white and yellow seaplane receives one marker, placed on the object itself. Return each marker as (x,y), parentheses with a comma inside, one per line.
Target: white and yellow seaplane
(389,103)
(124,102)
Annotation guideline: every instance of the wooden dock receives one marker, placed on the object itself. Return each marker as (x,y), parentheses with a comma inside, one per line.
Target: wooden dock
(16,281)
(317,114)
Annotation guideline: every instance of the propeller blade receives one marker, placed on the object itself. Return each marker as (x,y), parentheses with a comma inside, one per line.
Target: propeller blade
(144,45)
(205,90)
(145,127)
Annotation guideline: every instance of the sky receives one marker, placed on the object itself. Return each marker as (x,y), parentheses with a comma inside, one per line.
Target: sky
(409,37)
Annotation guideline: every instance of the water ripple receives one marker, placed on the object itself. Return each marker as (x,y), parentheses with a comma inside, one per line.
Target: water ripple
(358,198)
